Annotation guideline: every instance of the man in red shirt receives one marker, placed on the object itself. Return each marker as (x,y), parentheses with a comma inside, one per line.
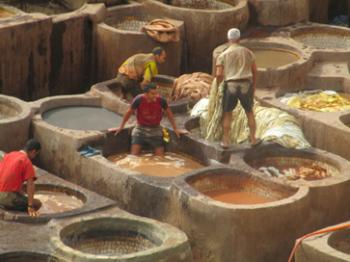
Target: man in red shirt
(15,169)
(149,108)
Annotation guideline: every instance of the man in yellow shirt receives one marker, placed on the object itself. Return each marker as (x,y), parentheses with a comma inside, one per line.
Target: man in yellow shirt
(138,70)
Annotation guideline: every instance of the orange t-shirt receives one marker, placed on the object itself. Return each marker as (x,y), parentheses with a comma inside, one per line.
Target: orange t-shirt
(15,169)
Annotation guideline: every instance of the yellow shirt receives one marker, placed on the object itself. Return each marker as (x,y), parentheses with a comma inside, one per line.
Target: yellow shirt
(140,66)
(237,61)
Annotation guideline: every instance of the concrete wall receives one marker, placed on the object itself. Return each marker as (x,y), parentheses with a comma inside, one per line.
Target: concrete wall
(280,12)
(71,42)
(14,126)
(25,52)
(205,29)
(42,55)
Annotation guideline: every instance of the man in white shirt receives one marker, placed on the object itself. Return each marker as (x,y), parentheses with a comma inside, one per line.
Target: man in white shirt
(236,67)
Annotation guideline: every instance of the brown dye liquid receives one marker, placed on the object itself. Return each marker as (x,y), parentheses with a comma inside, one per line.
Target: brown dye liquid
(237,197)
(56,202)
(273,58)
(4,13)
(170,165)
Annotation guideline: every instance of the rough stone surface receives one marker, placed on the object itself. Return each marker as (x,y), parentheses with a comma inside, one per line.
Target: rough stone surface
(280,12)
(205,29)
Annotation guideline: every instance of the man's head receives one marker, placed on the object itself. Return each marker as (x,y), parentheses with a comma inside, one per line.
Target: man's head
(159,54)
(233,35)
(32,148)
(151,91)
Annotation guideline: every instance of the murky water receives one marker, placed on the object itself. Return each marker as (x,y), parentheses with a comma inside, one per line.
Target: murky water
(237,197)
(82,118)
(57,202)
(170,165)
(273,58)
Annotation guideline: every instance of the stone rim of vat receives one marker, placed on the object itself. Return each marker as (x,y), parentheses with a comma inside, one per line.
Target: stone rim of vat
(183,185)
(23,109)
(330,160)
(301,29)
(226,7)
(117,104)
(45,104)
(271,43)
(320,246)
(164,237)
(21,254)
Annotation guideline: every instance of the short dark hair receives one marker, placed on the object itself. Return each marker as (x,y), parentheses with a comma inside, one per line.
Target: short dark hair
(149,87)
(31,145)
(158,50)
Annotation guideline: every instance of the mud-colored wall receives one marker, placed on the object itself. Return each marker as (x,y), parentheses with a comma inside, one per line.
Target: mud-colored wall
(43,55)
(71,41)
(280,12)
(24,59)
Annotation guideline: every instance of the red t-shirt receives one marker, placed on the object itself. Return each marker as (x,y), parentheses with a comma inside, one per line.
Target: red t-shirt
(149,113)
(15,168)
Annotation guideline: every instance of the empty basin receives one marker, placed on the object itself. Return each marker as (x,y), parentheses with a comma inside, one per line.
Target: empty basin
(340,241)
(119,238)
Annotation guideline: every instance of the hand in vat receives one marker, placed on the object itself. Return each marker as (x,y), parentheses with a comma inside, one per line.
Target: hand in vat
(32,212)
(180,132)
(116,130)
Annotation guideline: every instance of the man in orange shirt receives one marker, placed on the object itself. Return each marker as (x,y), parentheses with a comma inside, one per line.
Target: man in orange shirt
(15,169)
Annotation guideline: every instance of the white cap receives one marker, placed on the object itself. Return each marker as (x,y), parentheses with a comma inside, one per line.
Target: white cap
(233,34)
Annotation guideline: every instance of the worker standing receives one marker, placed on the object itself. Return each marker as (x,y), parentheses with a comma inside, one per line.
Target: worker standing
(236,67)
(15,169)
(138,70)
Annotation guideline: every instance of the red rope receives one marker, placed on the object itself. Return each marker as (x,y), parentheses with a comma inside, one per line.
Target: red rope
(318,232)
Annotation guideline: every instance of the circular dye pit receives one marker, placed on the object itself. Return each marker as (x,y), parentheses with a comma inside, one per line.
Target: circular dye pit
(294,168)
(55,199)
(57,202)
(321,40)
(28,257)
(130,23)
(8,109)
(238,189)
(273,58)
(171,165)
(112,237)
(318,101)
(199,4)
(340,241)
(82,118)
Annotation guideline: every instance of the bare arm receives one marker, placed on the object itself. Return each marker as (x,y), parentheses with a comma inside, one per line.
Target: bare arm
(219,74)
(171,118)
(125,119)
(254,72)
(30,193)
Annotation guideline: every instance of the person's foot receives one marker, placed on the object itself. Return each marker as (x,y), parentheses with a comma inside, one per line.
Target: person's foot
(256,143)
(224,145)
